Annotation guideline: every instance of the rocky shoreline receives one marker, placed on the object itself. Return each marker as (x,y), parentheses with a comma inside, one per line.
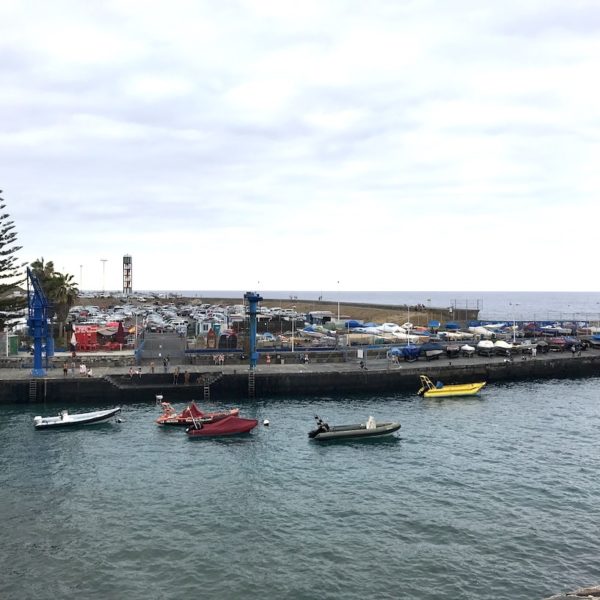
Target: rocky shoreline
(584,592)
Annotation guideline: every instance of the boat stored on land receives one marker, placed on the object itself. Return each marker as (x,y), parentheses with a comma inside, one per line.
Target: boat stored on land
(230,425)
(430,390)
(370,429)
(64,419)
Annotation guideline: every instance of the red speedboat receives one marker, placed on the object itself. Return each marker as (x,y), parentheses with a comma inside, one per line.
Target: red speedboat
(190,414)
(232,425)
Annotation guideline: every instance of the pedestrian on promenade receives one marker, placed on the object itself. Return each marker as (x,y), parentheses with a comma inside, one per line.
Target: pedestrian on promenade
(175,375)
(165,364)
(186,377)
(268,359)
(573,350)
(73,368)
(65,368)
(152,367)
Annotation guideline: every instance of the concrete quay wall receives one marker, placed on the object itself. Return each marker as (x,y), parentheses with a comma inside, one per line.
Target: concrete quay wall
(231,385)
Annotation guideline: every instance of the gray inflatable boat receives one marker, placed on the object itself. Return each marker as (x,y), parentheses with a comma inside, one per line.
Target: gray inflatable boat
(370,429)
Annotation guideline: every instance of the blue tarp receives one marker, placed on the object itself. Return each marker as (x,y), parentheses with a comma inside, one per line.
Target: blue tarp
(431,346)
(433,324)
(452,325)
(411,351)
(351,323)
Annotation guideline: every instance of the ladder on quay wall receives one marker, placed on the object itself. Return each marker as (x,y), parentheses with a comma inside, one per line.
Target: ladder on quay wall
(33,388)
(251,384)
(207,381)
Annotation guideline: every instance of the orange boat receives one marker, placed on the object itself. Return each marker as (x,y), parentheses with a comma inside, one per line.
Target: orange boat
(191,414)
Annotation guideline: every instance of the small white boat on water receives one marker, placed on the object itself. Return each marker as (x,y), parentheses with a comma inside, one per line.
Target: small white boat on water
(64,419)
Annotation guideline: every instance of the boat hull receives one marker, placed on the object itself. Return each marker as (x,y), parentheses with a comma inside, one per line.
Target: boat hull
(449,391)
(232,425)
(92,418)
(429,390)
(356,432)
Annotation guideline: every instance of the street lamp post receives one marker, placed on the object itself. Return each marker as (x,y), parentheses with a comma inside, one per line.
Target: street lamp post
(514,321)
(103,261)
(338,302)
(293,325)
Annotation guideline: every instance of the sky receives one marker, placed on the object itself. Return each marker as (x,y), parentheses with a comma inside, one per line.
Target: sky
(285,145)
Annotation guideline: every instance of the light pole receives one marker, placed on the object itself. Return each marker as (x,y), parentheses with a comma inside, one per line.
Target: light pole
(103,261)
(338,290)
(293,325)
(514,321)
(80,276)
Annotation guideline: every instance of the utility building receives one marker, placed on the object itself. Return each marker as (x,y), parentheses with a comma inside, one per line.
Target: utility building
(127,275)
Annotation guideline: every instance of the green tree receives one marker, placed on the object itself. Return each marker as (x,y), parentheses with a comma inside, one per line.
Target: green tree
(13,300)
(60,289)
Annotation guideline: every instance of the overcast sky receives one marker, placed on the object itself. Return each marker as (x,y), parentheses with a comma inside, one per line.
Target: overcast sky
(385,145)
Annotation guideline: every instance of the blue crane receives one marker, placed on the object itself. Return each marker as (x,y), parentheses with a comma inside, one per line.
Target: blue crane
(39,316)
(253,300)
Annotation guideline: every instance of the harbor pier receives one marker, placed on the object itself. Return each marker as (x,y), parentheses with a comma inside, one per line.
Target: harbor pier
(229,383)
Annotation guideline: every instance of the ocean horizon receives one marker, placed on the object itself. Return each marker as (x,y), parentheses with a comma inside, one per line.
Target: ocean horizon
(501,306)
(522,306)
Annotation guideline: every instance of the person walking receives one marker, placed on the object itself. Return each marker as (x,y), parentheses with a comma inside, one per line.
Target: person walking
(152,367)
(65,368)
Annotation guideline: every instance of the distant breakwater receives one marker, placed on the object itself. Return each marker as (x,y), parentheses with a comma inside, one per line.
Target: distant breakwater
(232,384)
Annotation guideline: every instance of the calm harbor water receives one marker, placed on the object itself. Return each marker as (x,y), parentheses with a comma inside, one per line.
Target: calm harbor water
(493,497)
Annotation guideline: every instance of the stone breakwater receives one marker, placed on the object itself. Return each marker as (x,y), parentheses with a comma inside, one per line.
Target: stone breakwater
(231,382)
(584,592)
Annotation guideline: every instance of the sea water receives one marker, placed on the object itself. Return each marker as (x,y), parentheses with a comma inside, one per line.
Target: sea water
(489,497)
(520,306)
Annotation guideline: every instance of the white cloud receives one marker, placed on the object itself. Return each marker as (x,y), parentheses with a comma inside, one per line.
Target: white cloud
(299,144)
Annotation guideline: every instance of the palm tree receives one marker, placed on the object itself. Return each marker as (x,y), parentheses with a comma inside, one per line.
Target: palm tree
(64,293)
(60,289)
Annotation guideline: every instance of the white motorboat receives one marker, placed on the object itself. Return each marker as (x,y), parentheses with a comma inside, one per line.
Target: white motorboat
(64,419)
(485,347)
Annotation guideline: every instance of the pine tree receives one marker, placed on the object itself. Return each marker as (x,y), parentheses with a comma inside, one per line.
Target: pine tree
(12,297)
